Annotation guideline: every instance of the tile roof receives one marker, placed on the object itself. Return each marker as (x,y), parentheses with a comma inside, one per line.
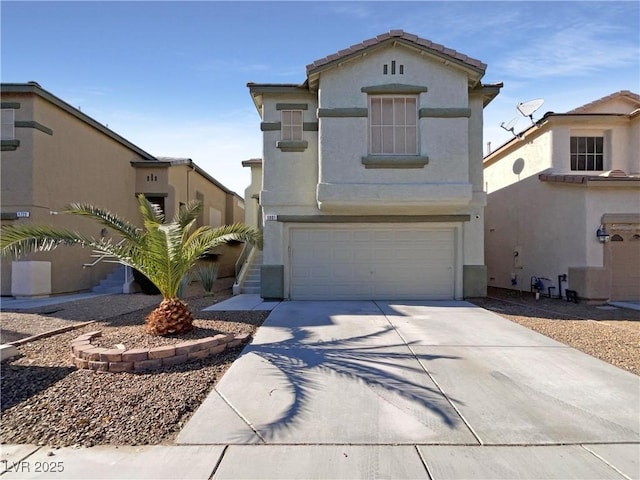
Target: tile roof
(613,176)
(421,43)
(622,93)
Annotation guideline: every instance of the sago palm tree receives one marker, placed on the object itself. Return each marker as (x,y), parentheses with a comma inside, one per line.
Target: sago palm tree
(163,252)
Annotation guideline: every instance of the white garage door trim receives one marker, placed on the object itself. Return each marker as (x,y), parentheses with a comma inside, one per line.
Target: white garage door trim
(373,262)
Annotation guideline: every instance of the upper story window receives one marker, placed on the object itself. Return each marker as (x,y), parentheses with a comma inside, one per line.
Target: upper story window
(8,124)
(587,153)
(393,124)
(292,125)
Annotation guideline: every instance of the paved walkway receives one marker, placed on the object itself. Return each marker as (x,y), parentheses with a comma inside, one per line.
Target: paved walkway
(440,390)
(12,303)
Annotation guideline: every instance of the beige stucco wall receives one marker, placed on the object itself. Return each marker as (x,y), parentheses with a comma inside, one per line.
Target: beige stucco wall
(620,151)
(529,157)
(75,164)
(330,170)
(251,195)
(297,170)
(543,222)
(152,180)
(236,206)
(344,141)
(553,225)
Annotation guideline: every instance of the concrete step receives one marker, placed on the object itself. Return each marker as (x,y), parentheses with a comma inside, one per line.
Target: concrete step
(112,283)
(250,290)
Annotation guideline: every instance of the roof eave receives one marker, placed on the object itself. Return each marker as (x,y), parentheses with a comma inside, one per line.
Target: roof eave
(257,90)
(36,89)
(475,73)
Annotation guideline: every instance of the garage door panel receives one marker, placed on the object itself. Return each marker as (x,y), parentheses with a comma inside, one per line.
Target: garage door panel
(391,262)
(625,265)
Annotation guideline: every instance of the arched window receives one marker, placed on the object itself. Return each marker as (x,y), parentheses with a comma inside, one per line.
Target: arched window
(617,238)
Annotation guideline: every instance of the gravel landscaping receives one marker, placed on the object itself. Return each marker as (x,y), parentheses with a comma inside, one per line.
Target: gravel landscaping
(47,401)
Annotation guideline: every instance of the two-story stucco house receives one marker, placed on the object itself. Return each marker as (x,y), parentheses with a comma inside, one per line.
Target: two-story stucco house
(53,154)
(564,203)
(371,184)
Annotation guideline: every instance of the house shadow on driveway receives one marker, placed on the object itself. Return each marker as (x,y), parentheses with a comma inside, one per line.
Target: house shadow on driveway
(328,372)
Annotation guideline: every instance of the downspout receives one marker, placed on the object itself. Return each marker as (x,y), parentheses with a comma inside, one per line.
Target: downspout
(193,169)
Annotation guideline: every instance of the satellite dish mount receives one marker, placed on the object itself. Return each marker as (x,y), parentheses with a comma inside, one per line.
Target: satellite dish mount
(509,126)
(527,109)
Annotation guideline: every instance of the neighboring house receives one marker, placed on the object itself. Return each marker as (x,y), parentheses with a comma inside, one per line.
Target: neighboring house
(564,199)
(253,211)
(53,155)
(371,184)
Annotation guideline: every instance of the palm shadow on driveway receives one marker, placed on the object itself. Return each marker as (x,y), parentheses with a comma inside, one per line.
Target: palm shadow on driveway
(305,382)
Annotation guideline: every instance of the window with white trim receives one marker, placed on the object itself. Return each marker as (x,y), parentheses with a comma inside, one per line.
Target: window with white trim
(291,125)
(7,132)
(393,125)
(587,153)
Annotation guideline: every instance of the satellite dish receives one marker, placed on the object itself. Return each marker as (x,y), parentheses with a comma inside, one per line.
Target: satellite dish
(527,109)
(510,125)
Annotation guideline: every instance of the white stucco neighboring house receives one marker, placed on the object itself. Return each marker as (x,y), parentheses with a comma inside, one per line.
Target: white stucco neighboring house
(564,199)
(371,182)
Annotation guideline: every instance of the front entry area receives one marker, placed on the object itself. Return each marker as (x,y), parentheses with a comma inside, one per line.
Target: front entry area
(372,262)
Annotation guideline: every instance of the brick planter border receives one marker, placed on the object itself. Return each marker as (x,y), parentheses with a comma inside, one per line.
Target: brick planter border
(114,360)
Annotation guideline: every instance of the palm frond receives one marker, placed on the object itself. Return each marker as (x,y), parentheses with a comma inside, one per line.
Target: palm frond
(164,253)
(106,218)
(19,240)
(150,211)
(188,213)
(236,232)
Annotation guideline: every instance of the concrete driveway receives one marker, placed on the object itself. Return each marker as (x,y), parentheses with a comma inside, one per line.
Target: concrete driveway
(416,390)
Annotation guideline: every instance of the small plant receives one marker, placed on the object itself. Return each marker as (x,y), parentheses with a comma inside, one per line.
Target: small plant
(184,283)
(208,276)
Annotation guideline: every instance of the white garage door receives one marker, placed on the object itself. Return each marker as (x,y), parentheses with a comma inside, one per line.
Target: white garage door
(372,263)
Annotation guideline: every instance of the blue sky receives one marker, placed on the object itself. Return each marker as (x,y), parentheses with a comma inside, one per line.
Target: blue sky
(171,76)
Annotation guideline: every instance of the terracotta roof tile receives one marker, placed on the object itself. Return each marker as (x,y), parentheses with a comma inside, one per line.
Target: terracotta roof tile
(621,93)
(422,42)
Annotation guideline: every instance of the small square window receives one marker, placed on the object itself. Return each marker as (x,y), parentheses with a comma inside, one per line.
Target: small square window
(587,153)
(292,125)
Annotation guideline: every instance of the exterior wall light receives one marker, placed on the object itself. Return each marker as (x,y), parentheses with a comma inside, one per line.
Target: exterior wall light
(602,234)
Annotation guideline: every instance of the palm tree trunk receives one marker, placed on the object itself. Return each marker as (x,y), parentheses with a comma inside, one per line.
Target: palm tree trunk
(172,316)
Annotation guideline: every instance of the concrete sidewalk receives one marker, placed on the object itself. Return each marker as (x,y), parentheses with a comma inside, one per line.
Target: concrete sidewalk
(439,390)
